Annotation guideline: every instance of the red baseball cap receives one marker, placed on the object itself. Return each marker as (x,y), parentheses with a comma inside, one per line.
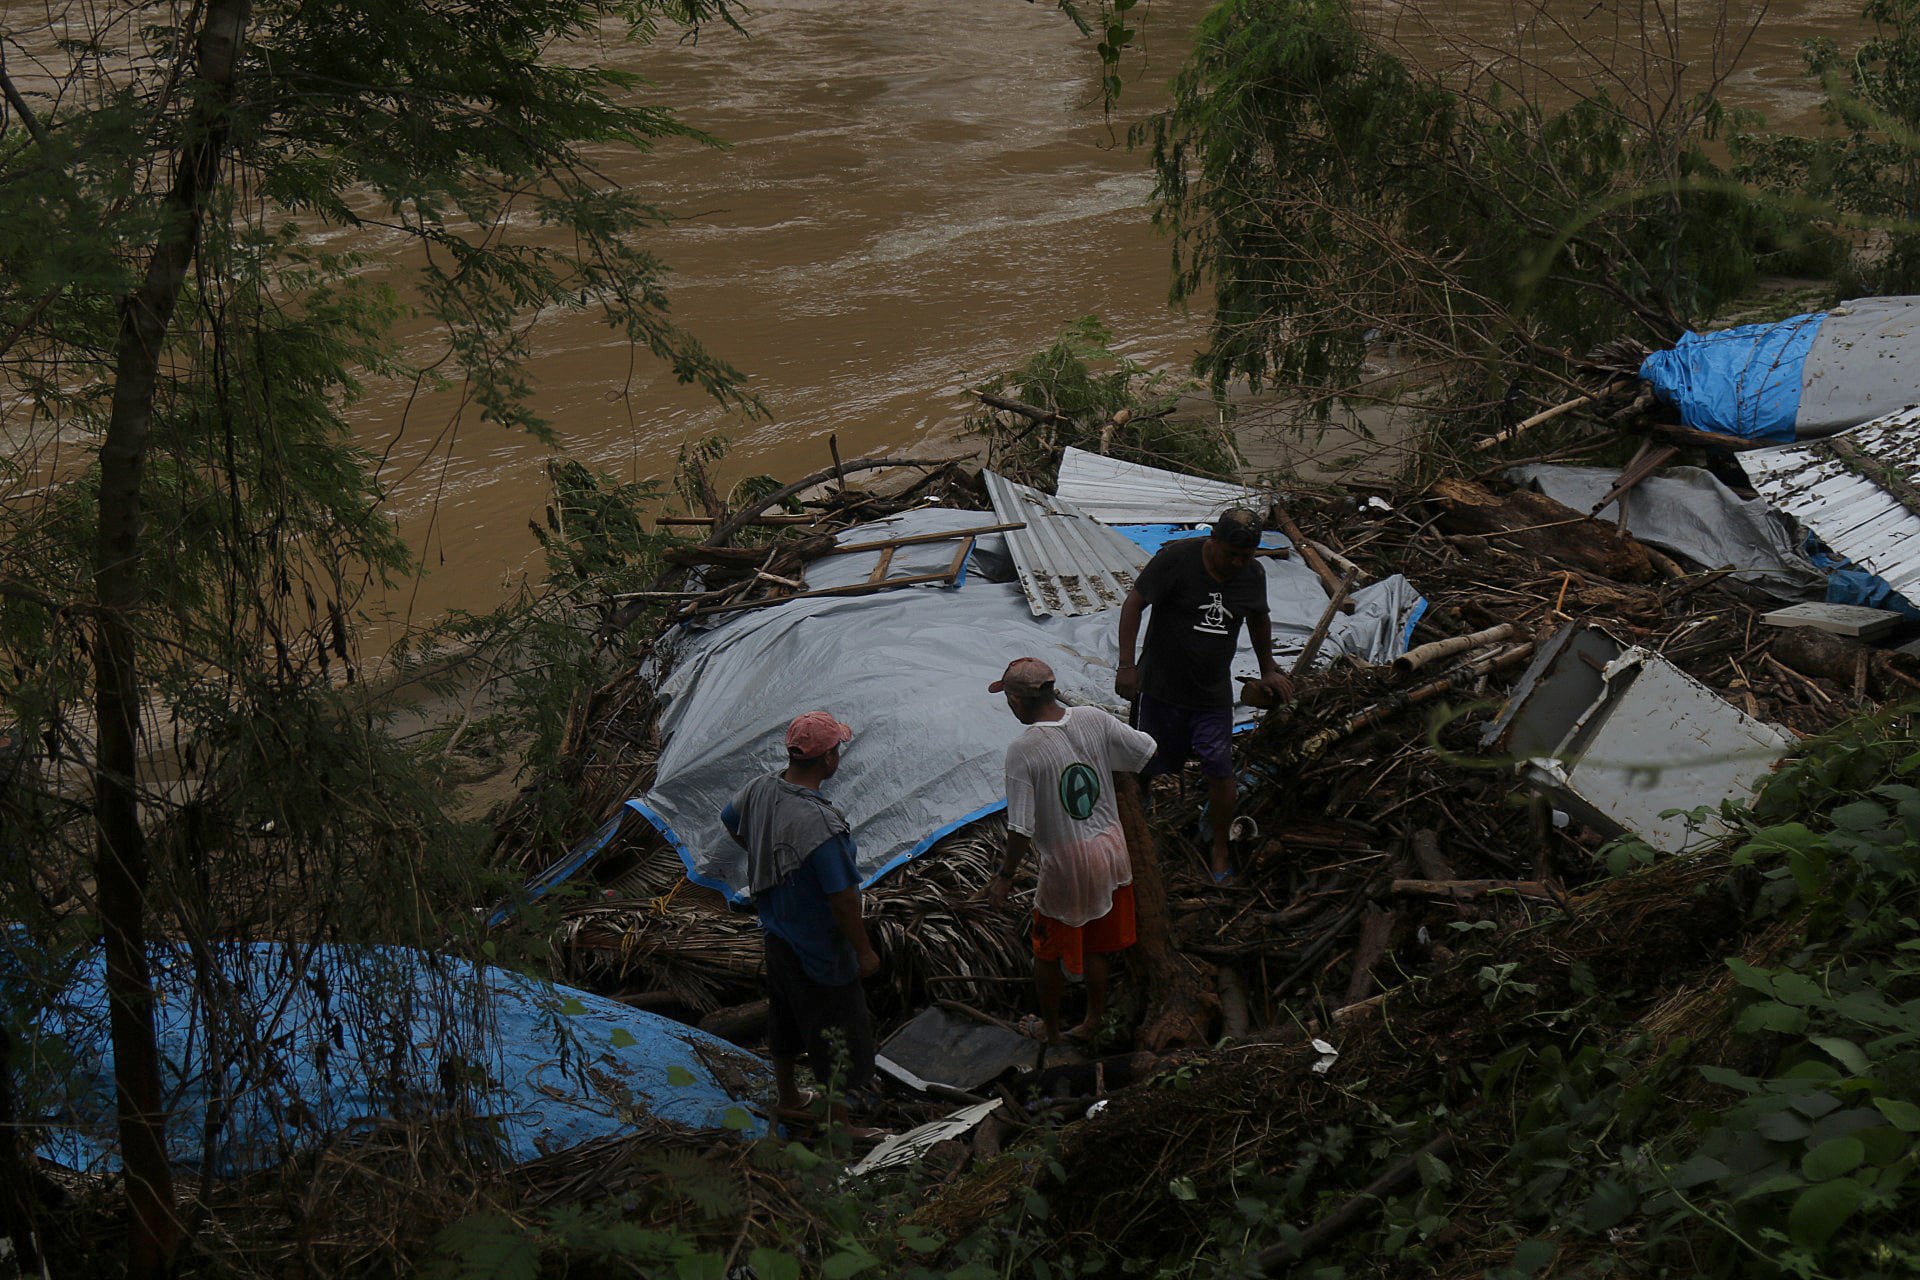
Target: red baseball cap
(813,734)
(1025,678)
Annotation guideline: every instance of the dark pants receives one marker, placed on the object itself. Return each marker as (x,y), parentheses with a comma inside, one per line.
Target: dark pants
(1179,732)
(807,1018)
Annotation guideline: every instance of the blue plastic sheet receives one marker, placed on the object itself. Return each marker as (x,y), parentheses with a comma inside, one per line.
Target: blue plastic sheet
(1847,583)
(1743,381)
(345,1038)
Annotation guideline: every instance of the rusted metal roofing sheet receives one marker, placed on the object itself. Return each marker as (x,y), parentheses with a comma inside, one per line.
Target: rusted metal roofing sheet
(1068,562)
(1128,493)
(1860,491)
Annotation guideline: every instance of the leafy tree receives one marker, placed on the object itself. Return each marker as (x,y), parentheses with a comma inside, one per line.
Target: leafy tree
(1864,175)
(1335,198)
(188,525)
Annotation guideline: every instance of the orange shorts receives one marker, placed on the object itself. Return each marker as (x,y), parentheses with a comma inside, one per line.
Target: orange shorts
(1070,944)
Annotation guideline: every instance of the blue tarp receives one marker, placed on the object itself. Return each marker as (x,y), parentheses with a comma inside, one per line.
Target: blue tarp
(1848,583)
(1744,381)
(324,1041)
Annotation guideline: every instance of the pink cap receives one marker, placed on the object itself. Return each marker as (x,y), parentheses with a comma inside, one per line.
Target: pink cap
(1025,678)
(814,734)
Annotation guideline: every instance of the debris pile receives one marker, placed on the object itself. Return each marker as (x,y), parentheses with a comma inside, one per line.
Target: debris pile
(1386,818)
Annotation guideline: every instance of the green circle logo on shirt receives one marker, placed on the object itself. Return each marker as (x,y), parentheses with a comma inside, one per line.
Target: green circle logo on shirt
(1079,791)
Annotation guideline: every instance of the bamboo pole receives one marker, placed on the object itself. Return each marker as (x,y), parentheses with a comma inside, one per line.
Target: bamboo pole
(1312,648)
(1545,415)
(1414,659)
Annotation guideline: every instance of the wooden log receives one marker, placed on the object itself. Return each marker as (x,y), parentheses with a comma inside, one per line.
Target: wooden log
(1426,851)
(1541,527)
(1235,1019)
(742,1024)
(1376,935)
(1813,652)
(1181,1008)
(1328,578)
(1706,439)
(1311,649)
(916,539)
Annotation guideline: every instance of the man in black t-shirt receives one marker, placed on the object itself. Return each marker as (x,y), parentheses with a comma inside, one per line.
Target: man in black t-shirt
(1200,590)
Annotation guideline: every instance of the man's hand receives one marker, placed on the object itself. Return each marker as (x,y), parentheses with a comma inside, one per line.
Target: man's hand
(869,962)
(997,890)
(1278,681)
(1126,682)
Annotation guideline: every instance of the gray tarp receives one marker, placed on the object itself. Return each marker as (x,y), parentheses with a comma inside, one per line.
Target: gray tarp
(1864,362)
(909,669)
(1686,510)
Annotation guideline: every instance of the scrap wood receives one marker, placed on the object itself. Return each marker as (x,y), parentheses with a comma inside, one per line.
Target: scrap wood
(1376,935)
(1321,569)
(1311,650)
(1538,525)
(1647,460)
(1373,715)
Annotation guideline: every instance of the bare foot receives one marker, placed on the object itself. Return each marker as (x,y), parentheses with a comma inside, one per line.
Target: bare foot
(1034,1028)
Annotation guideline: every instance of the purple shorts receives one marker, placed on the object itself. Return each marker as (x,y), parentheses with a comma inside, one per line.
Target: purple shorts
(1180,732)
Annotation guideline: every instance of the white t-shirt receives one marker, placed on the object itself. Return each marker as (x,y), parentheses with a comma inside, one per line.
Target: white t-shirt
(1060,793)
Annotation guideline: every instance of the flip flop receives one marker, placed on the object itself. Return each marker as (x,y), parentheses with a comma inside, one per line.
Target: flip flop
(801,1114)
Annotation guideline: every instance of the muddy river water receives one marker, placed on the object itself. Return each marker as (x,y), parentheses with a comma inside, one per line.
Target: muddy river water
(914,196)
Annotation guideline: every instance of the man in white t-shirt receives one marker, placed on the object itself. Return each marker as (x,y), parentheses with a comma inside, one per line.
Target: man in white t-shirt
(1061,775)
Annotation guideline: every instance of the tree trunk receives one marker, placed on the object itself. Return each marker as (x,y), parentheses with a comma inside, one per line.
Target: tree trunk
(1539,526)
(16,1193)
(1181,1009)
(121,861)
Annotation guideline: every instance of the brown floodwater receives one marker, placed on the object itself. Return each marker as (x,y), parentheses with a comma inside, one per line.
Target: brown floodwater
(913,197)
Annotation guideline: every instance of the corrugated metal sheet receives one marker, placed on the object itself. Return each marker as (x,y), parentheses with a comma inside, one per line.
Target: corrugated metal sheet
(1853,490)
(1128,493)
(1068,562)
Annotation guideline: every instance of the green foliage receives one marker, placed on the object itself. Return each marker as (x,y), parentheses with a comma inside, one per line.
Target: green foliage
(1794,1148)
(274,798)
(1863,176)
(1084,381)
(1335,200)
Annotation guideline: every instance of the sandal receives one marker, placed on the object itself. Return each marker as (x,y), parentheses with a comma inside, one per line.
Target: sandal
(800,1114)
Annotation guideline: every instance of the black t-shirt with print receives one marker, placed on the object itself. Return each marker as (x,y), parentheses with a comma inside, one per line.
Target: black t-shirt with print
(1194,625)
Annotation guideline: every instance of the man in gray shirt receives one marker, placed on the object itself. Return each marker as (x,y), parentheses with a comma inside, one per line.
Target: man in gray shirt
(801,875)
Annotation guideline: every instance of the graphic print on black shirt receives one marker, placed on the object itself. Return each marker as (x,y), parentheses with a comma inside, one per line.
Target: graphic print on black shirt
(1193,625)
